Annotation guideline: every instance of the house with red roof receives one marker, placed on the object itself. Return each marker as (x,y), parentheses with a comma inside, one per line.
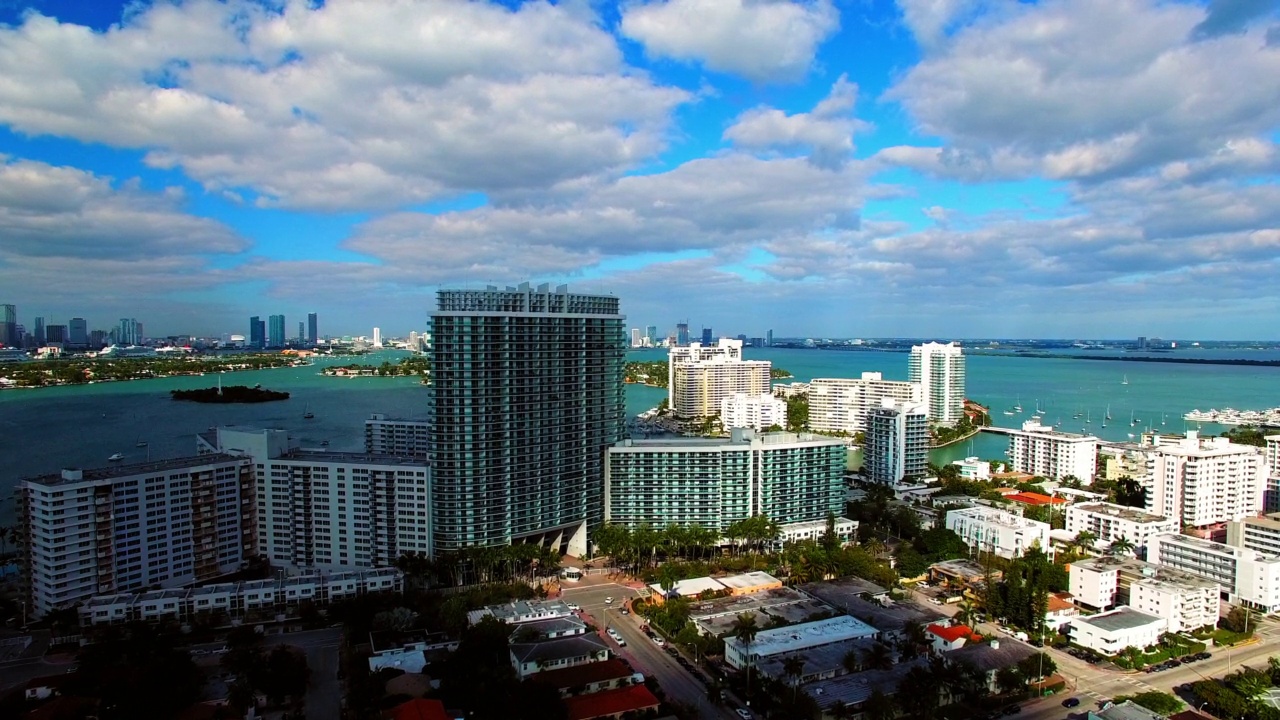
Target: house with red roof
(417,709)
(611,703)
(1034,498)
(944,638)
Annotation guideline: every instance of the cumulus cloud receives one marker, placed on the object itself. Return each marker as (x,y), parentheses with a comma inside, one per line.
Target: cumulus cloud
(930,19)
(826,133)
(1091,89)
(348,105)
(762,40)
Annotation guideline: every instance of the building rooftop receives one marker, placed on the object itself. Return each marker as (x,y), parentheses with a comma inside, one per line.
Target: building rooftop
(818,660)
(1122,618)
(610,703)
(595,672)
(1128,710)
(66,477)
(959,568)
(356,458)
(1032,498)
(1131,514)
(806,635)
(952,633)
(418,709)
(747,581)
(559,649)
(993,655)
(691,587)
(996,517)
(1215,547)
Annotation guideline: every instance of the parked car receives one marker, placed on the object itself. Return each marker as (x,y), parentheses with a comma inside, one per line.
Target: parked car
(608,601)
(1071,702)
(1013,710)
(573,607)
(1203,656)
(743,713)
(659,641)
(624,611)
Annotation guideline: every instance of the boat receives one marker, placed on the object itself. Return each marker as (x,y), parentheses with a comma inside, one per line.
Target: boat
(1017,406)
(1108,411)
(1088,417)
(1164,418)
(324,443)
(307,414)
(1132,419)
(1125,381)
(117,457)
(141,443)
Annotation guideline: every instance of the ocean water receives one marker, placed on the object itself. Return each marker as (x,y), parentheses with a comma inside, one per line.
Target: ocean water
(44,430)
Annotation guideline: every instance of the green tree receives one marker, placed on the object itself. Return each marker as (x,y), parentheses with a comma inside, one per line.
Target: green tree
(1239,620)
(1120,546)
(879,706)
(798,413)
(1010,679)
(1157,702)
(793,667)
(745,629)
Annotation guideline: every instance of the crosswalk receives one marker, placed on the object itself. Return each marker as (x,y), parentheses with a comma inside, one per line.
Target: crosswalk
(1132,680)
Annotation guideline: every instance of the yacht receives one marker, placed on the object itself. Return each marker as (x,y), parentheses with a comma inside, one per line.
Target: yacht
(307,414)
(116,457)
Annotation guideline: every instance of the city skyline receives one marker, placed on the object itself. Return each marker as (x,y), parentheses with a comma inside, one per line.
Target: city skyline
(924,169)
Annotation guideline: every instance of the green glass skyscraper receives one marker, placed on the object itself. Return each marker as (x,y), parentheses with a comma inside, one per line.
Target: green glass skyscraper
(527,395)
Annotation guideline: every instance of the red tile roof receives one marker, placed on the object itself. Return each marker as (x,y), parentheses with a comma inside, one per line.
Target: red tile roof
(583,674)
(1031,498)
(418,709)
(951,634)
(610,702)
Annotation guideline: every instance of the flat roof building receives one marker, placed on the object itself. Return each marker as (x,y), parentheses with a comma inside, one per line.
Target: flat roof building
(1205,481)
(940,371)
(758,412)
(1185,601)
(1042,451)
(127,527)
(795,638)
(700,376)
(991,530)
(1249,577)
(843,404)
(396,436)
(1110,522)
(1110,632)
(713,482)
(896,445)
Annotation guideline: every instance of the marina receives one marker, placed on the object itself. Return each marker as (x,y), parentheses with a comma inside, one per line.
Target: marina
(1231,416)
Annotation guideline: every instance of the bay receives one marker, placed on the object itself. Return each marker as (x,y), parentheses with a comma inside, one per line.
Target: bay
(44,430)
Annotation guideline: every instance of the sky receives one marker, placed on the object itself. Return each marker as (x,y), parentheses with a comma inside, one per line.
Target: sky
(825,168)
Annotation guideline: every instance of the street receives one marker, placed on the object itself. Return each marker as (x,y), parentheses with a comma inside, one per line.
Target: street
(641,652)
(324,694)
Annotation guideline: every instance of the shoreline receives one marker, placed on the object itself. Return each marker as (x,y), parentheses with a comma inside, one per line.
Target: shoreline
(165,376)
(962,438)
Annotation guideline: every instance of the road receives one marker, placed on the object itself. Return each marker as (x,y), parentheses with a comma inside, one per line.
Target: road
(641,652)
(324,695)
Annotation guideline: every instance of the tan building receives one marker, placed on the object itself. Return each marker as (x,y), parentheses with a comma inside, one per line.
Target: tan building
(700,377)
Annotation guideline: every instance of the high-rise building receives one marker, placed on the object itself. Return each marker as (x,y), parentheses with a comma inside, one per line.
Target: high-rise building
(842,404)
(377,337)
(939,369)
(97,338)
(1271,498)
(257,333)
(128,527)
(275,331)
(527,394)
(706,336)
(1142,343)
(78,331)
(635,337)
(758,412)
(55,335)
(682,334)
(768,338)
(396,436)
(896,447)
(9,326)
(39,333)
(302,332)
(651,333)
(1045,452)
(1205,481)
(129,332)
(331,510)
(713,482)
(700,377)
(313,328)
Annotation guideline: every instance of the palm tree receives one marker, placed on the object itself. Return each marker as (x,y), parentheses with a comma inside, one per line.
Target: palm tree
(1084,541)
(879,657)
(1120,546)
(968,613)
(745,629)
(879,706)
(793,666)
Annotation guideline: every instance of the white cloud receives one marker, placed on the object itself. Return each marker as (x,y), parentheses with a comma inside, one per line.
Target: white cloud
(929,20)
(1094,88)
(349,105)
(762,40)
(826,133)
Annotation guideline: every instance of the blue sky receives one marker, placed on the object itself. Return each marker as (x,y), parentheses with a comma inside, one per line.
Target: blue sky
(948,168)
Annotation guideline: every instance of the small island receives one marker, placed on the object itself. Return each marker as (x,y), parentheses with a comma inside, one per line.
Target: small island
(416,365)
(229,394)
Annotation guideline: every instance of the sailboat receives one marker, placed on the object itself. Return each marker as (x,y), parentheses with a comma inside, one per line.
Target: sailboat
(1088,417)
(117,457)
(1164,418)
(1108,411)
(141,442)
(1132,419)
(1018,405)
(1125,381)
(307,414)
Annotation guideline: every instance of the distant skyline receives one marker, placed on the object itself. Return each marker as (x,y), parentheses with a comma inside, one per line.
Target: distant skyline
(825,168)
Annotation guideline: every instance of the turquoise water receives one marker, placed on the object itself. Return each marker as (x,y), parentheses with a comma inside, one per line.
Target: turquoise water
(44,430)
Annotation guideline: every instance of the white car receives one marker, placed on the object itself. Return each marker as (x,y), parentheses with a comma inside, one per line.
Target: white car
(573,607)
(743,713)
(659,641)
(608,601)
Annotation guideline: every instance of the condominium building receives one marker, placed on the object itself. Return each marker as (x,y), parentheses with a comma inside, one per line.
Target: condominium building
(1184,600)
(1123,459)
(527,395)
(1271,497)
(1247,576)
(1040,450)
(1109,522)
(396,436)
(843,404)
(700,376)
(1256,533)
(1204,481)
(896,447)
(129,527)
(758,412)
(972,468)
(1110,632)
(331,510)
(713,483)
(939,369)
(990,530)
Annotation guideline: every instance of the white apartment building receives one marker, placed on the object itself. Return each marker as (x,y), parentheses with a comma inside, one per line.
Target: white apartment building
(1110,632)
(842,404)
(1205,481)
(757,412)
(1127,459)
(1256,533)
(939,370)
(1041,450)
(1183,606)
(971,468)
(896,446)
(331,510)
(991,530)
(795,639)
(699,377)
(128,527)
(1185,601)
(1110,522)
(1271,499)
(1249,577)
(396,436)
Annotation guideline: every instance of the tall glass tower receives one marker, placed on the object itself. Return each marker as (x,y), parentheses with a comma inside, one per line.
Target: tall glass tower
(527,395)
